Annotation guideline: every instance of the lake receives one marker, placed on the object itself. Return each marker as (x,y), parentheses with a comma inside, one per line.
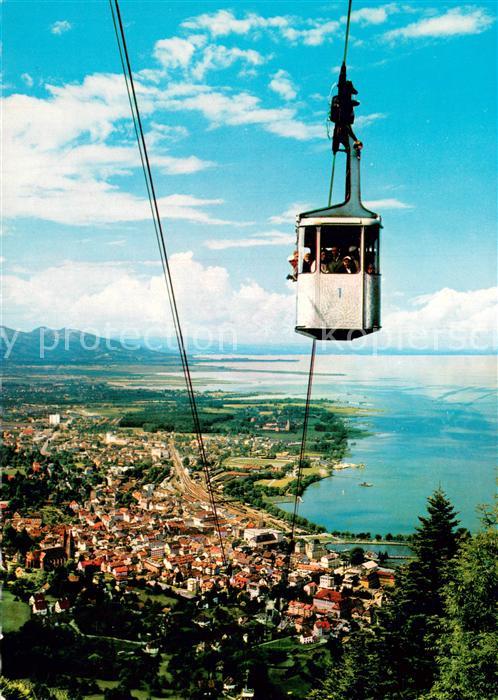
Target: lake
(433,421)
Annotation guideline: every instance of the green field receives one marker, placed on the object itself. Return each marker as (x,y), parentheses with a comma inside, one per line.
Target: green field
(138,694)
(285,481)
(14,612)
(276,483)
(263,462)
(159,598)
(287,660)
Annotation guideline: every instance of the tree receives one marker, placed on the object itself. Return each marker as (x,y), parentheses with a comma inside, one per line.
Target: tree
(17,541)
(435,541)
(468,649)
(118,693)
(362,673)
(357,556)
(15,690)
(412,620)
(396,657)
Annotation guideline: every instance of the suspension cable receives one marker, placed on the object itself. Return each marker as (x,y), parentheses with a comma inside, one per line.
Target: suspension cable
(142,159)
(158,228)
(332,180)
(303,448)
(302,451)
(348,25)
(346,44)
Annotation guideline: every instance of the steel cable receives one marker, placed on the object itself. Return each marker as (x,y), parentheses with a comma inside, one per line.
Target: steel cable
(144,157)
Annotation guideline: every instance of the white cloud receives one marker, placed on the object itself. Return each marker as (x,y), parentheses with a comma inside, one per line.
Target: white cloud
(195,58)
(159,133)
(70,111)
(224,22)
(289,215)
(297,129)
(373,15)
(175,52)
(62,151)
(315,36)
(457,21)
(215,57)
(60,27)
(110,298)
(294,29)
(100,204)
(381,205)
(255,240)
(281,84)
(180,166)
(27,79)
(364,120)
(107,298)
(100,158)
(237,109)
(449,318)
(51,174)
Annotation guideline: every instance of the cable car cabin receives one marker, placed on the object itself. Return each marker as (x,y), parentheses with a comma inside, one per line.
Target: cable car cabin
(338,280)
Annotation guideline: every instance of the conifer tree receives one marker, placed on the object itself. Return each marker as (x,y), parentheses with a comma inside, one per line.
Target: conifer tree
(397,657)
(412,620)
(468,645)
(435,541)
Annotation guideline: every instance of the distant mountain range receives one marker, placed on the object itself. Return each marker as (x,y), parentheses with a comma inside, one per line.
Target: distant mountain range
(68,346)
(45,346)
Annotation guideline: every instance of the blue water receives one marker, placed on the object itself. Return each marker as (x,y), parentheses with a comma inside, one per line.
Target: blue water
(395,551)
(433,422)
(419,443)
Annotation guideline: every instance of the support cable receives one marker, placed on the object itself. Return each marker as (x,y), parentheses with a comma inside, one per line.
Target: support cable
(346,44)
(332,180)
(142,159)
(302,451)
(158,228)
(348,25)
(303,448)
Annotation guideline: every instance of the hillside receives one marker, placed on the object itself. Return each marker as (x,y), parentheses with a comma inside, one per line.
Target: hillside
(68,346)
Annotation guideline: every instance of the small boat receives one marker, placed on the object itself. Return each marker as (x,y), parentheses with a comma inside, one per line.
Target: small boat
(365,483)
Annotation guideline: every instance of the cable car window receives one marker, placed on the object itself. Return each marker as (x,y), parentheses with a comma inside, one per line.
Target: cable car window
(340,250)
(372,251)
(307,250)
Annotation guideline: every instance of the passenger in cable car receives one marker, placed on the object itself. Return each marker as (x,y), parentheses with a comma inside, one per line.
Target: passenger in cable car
(293,260)
(325,261)
(348,266)
(354,252)
(335,259)
(308,263)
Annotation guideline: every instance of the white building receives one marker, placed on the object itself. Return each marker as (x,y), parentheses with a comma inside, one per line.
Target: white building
(193,585)
(326,581)
(262,535)
(54,419)
(112,439)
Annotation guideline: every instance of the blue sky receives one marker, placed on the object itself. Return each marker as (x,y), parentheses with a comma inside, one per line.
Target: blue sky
(234,99)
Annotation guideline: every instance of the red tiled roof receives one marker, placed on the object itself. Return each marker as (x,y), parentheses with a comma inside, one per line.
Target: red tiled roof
(329,594)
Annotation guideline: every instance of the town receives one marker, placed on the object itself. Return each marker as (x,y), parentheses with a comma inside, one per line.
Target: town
(104,525)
